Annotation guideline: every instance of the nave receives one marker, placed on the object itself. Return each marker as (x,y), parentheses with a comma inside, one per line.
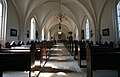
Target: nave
(61,64)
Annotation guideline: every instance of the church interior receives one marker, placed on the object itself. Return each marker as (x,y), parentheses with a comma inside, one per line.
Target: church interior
(59,38)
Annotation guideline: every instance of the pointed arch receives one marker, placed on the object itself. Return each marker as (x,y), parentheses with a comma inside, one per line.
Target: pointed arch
(87,31)
(85,28)
(3,19)
(33,29)
(118,18)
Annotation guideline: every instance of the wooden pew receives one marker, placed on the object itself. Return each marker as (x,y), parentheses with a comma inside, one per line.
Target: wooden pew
(75,52)
(102,58)
(66,44)
(81,54)
(17,59)
(44,47)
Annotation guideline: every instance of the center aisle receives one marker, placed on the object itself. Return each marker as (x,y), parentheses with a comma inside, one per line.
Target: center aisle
(61,64)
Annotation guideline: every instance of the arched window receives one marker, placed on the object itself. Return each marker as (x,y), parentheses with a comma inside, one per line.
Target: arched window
(87,32)
(118,18)
(3,18)
(33,29)
(1,10)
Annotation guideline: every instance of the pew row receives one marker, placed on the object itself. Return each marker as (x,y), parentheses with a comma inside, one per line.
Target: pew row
(75,51)
(17,59)
(102,58)
(81,55)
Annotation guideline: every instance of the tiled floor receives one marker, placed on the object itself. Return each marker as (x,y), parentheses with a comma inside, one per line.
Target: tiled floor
(61,64)
(105,73)
(15,74)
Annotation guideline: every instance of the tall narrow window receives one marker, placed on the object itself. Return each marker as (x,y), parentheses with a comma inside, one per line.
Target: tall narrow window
(1,11)
(33,29)
(43,35)
(3,18)
(118,17)
(87,32)
(76,35)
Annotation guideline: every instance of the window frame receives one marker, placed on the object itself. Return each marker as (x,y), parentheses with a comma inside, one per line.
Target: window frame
(1,18)
(118,17)
(33,29)
(87,29)
(3,22)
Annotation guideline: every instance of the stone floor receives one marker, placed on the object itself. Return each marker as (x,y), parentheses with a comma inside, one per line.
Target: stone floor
(61,64)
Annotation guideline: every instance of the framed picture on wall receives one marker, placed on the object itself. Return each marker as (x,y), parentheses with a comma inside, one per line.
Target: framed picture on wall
(105,32)
(13,32)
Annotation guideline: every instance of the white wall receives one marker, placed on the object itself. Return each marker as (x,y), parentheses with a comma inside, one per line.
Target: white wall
(12,22)
(107,22)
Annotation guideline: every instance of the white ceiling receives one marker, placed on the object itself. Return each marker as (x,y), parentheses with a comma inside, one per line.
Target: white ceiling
(46,10)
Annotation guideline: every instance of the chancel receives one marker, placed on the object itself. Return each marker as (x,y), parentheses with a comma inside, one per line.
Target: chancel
(59,38)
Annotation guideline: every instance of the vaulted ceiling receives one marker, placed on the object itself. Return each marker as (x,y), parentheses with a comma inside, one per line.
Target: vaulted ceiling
(46,10)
